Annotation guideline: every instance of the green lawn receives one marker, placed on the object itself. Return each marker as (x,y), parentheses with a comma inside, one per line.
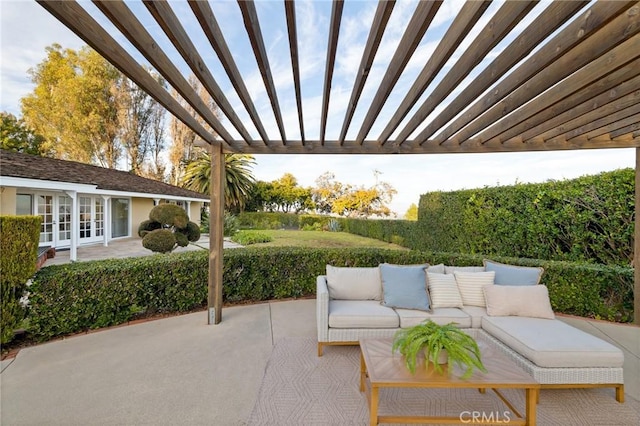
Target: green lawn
(283,238)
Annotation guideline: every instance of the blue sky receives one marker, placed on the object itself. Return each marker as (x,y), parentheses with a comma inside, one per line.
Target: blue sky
(26,29)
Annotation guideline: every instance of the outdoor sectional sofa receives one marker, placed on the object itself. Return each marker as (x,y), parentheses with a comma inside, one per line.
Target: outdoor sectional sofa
(503,302)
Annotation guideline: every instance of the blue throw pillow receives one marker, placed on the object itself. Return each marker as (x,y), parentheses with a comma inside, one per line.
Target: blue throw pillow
(512,274)
(404,286)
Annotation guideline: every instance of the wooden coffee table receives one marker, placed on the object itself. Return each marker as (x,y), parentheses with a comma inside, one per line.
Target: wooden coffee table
(380,368)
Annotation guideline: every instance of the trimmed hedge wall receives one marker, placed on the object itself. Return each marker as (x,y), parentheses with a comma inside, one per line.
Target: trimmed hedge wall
(76,297)
(268,220)
(19,237)
(589,219)
(401,232)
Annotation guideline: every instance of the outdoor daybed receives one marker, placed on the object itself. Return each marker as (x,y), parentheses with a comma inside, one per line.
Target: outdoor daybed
(505,302)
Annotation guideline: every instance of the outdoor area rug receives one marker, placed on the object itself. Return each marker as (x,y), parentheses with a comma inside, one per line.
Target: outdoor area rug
(300,388)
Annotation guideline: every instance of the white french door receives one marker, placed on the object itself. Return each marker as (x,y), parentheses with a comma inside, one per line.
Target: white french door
(63,221)
(91,210)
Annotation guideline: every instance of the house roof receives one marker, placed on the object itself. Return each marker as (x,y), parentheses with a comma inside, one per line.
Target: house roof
(502,76)
(15,164)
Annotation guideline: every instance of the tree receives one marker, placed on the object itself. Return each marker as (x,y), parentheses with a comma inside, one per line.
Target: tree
(15,135)
(332,196)
(238,183)
(141,121)
(412,212)
(183,150)
(73,106)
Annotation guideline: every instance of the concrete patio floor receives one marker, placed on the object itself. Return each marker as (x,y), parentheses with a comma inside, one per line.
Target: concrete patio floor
(179,370)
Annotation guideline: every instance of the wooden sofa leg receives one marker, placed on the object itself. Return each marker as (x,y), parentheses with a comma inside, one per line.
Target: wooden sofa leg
(620,393)
(320,346)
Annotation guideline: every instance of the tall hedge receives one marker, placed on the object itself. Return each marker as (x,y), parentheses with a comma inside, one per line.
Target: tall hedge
(588,219)
(268,220)
(80,296)
(19,237)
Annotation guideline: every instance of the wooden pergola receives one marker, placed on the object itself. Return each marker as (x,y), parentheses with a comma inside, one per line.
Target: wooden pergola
(568,80)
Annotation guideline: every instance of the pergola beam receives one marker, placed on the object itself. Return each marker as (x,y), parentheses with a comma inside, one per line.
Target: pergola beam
(420,21)
(292,30)
(460,27)
(379,24)
(205,16)
(334,33)
(578,31)
(252,25)
(216,240)
(548,21)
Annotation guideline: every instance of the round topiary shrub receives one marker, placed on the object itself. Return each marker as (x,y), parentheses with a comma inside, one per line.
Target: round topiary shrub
(192,231)
(169,215)
(159,240)
(147,226)
(181,239)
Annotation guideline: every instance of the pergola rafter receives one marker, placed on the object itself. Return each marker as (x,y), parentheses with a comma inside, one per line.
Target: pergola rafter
(568,80)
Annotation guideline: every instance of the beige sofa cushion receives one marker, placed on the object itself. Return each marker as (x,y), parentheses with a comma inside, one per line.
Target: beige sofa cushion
(411,317)
(354,283)
(471,285)
(476,313)
(553,343)
(451,269)
(361,314)
(522,301)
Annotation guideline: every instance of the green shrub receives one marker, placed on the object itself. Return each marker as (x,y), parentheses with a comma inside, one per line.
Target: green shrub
(251,237)
(231,225)
(79,296)
(268,220)
(159,241)
(19,237)
(315,226)
(333,226)
(147,226)
(191,231)
(169,215)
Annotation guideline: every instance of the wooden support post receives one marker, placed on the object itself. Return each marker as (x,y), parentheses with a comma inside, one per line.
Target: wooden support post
(636,247)
(216,234)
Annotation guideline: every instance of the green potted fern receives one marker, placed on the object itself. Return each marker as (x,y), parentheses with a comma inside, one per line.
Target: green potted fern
(434,339)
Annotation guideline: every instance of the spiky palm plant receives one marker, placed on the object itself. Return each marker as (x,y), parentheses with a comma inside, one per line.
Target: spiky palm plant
(239,179)
(432,338)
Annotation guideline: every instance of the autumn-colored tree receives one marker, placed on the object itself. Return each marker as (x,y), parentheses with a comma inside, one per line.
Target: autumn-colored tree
(412,212)
(73,106)
(15,135)
(332,196)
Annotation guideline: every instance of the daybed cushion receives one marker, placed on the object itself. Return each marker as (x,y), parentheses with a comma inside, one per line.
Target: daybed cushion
(361,314)
(443,291)
(354,283)
(476,313)
(404,286)
(409,318)
(513,274)
(471,286)
(516,300)
(553,343)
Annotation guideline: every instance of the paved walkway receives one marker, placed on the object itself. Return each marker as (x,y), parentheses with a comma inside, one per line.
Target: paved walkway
(126,247)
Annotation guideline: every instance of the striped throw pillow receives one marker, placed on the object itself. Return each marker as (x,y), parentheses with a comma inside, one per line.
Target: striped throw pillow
(471,286)
(443,291)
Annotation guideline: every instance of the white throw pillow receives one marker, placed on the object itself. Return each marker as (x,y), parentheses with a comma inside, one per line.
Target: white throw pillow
(471,284)
(437,269)
(443,291)
(354,283)
(520,301)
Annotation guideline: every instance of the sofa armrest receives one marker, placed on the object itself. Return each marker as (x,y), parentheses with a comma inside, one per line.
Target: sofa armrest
(322,308)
